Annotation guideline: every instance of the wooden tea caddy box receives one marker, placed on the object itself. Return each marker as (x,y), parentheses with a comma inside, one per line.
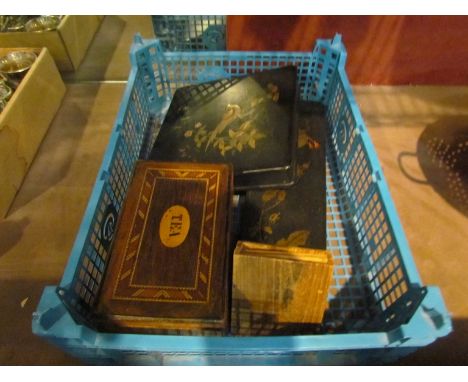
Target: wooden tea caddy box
(170,264)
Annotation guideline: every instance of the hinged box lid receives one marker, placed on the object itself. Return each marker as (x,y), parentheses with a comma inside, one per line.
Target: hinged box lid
(247,121)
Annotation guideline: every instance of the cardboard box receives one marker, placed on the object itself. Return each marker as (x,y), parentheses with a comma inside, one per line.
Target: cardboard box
(25,120)
(67,44)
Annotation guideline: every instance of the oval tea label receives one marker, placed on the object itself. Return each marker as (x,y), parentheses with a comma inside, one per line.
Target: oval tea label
(174,226)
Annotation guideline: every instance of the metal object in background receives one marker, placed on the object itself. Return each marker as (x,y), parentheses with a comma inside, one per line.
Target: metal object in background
(5,92)
(16,62)
(3,78)
(29,23)
(17,23)
(14,23)
(42,24)
(442,152)
(191,33)
(2,105)
(13,67)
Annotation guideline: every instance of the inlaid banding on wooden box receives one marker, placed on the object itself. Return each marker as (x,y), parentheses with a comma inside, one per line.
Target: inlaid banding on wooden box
(128,288)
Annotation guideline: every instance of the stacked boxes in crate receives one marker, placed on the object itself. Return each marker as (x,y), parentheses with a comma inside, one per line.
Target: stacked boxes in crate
(378,309)
(171,261)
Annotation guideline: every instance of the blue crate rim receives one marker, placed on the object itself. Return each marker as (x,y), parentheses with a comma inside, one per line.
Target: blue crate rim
(252,344)
(274,344)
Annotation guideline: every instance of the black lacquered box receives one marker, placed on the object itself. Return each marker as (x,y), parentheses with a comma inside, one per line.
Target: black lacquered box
(295,216)
(249,122)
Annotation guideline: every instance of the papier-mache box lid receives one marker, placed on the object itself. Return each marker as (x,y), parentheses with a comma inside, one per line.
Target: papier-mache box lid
(248,122)
(295,216)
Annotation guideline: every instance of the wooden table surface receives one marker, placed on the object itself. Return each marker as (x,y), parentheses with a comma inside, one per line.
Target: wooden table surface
(37,235)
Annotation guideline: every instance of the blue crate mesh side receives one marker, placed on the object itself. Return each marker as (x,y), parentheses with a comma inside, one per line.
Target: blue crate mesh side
(326,56)
(378,261)
(151,73)
(350,307)
(313,69)
(80,294)
(190,33)
(107,198)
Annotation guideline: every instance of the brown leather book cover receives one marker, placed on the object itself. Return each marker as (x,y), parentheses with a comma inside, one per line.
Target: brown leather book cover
(170,265)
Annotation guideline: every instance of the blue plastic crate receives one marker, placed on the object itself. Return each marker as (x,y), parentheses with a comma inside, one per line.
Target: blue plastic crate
(190,33)
(379,309)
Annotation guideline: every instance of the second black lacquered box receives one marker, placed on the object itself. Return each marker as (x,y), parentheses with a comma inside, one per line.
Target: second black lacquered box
(296,216)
